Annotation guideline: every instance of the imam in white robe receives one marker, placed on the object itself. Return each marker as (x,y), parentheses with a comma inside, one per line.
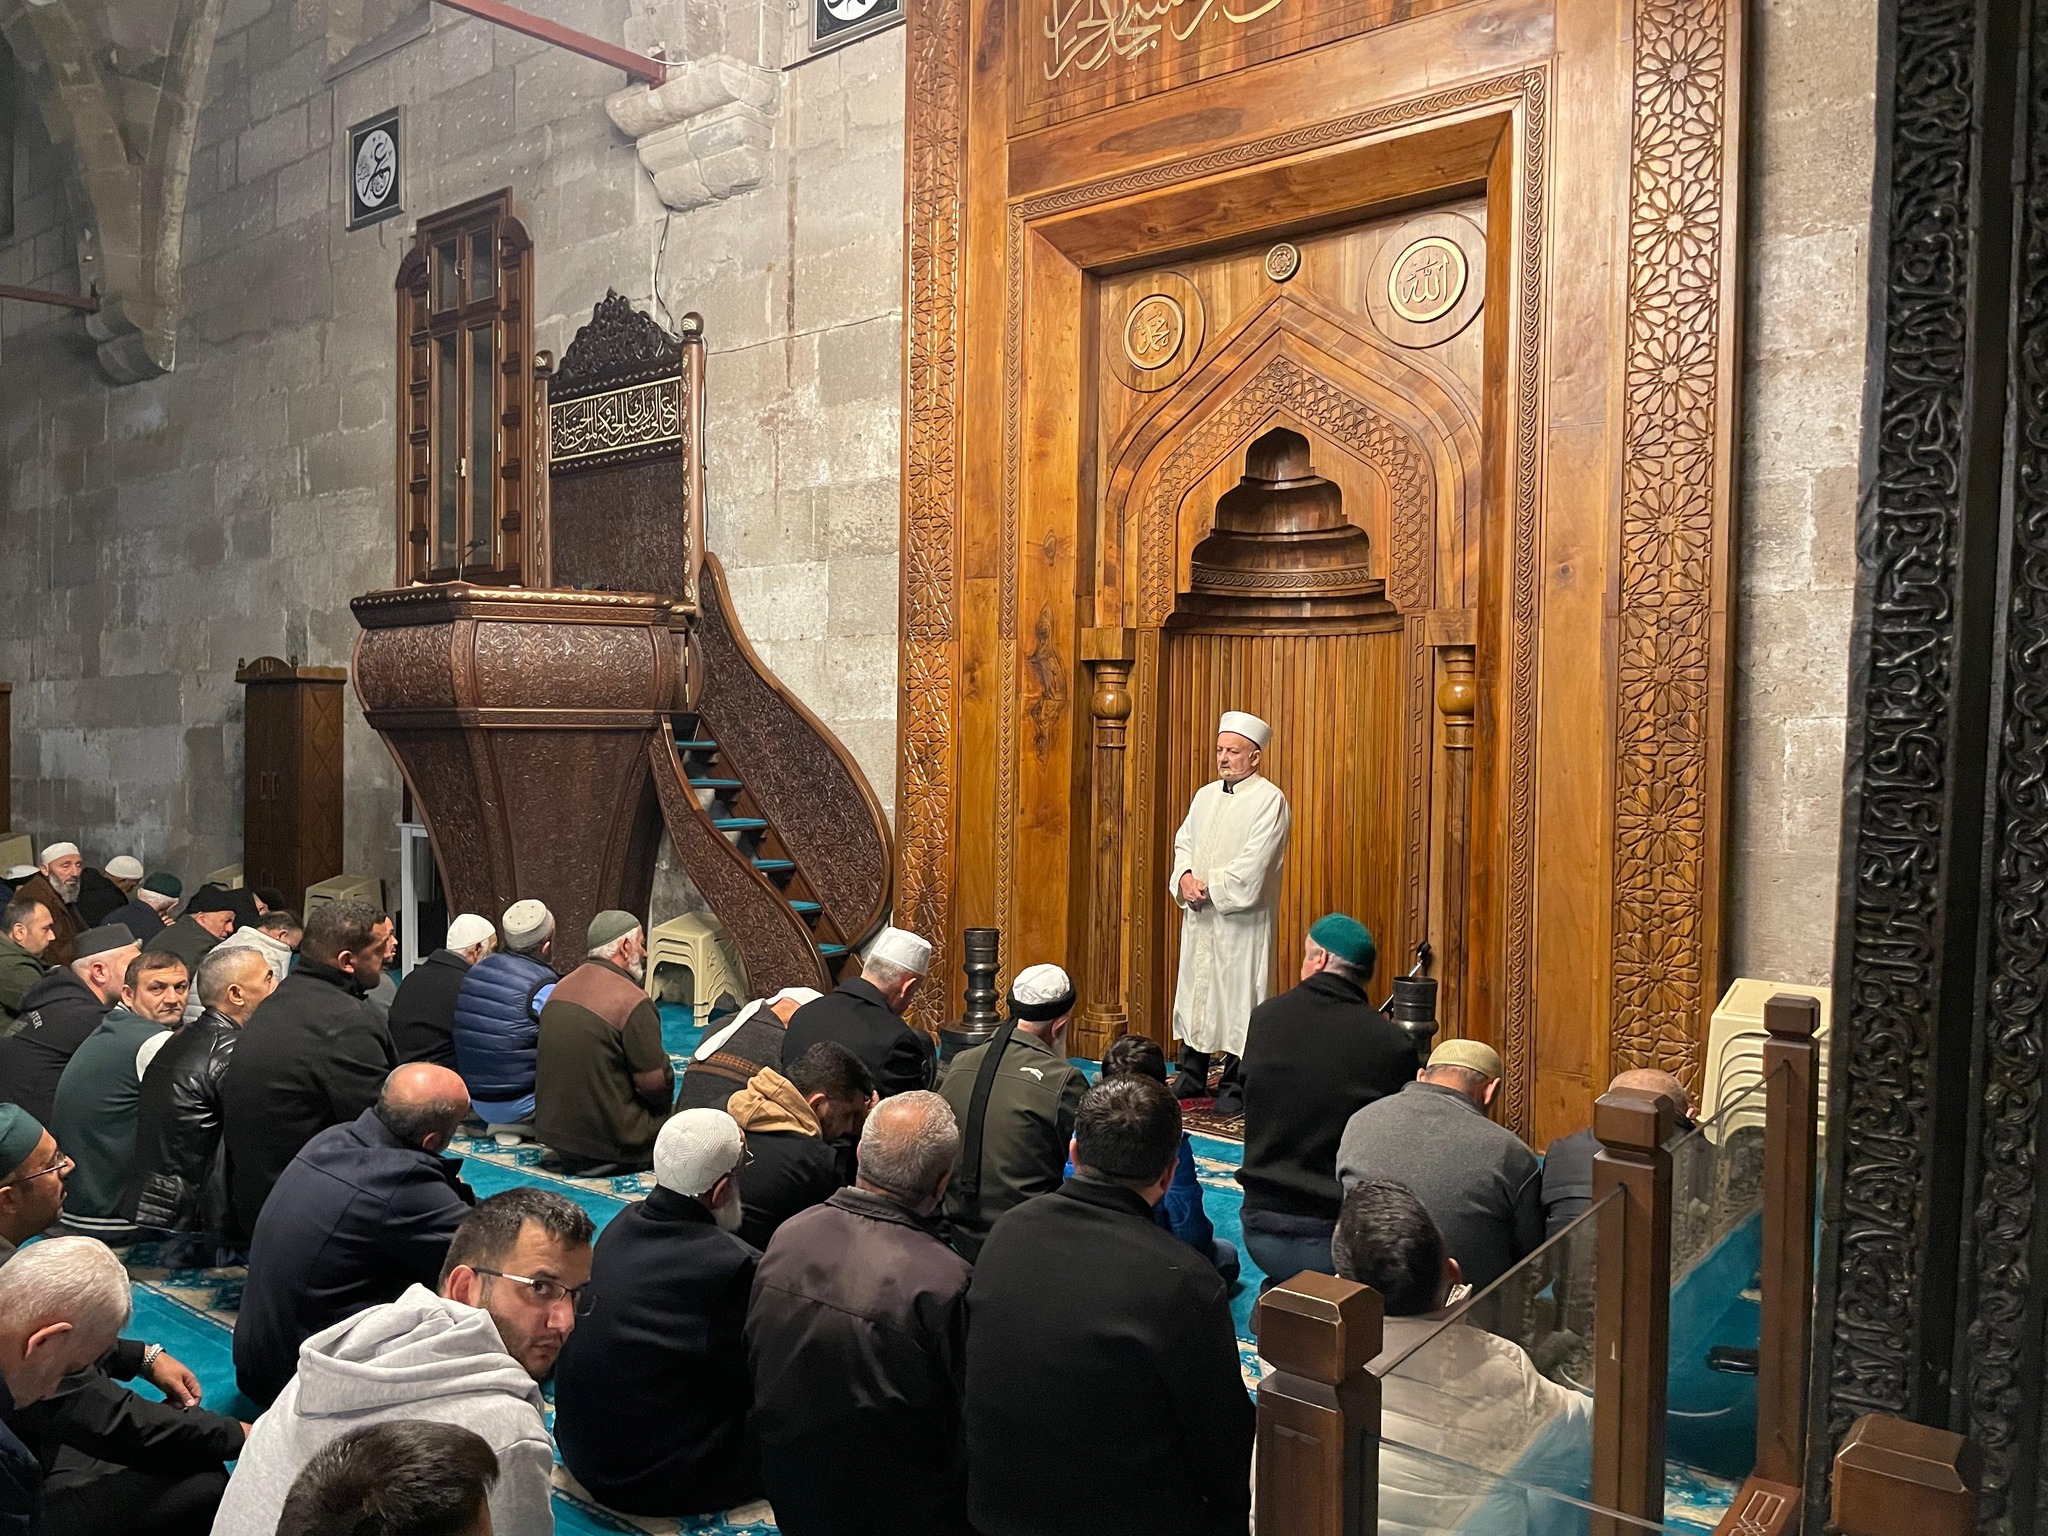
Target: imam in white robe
(1235,844)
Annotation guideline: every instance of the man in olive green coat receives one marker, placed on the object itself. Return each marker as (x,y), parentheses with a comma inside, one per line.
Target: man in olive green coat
(25,933)
(209,918)
(1016,1147)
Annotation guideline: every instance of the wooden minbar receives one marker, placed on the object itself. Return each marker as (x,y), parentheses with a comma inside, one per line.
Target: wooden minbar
(291,774)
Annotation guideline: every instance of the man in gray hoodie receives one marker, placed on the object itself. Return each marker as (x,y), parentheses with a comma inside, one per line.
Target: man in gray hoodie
(474,1355)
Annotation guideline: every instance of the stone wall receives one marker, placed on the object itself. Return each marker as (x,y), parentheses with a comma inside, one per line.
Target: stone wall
(1811,143)
(158,532)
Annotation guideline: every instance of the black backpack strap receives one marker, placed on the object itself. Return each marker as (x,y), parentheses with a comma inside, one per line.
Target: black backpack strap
(969,1182)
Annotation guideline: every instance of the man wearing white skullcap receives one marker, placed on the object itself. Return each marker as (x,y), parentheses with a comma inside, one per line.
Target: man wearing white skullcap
(732,1054)
(1015,1100)
(423,1013)
(864,1013)
(1226,880)
(55,885)
(101,892)
(652,1391)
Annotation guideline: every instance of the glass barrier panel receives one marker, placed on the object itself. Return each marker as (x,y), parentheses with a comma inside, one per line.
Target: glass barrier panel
(1425,1493)
(1717,1177)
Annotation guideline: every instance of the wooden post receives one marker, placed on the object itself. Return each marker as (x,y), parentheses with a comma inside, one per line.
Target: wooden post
(1457,699)
(1632,1305)
(1111,652)
(1897,1478)
(1791,1149)
(693,461)
(1319,1409)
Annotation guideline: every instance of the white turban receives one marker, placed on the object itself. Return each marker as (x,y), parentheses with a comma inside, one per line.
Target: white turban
(1250,727)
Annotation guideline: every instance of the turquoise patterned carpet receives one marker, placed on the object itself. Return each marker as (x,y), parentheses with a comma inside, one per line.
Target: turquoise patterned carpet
(192,1311)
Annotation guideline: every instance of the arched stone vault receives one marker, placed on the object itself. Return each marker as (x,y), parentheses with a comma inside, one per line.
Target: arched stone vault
(119,85)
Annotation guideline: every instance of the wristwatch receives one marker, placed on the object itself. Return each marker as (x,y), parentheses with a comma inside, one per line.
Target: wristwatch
(149,1354)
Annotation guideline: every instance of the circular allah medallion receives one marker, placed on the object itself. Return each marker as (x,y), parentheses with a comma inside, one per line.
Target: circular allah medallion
(1427,280)
(849,10)
(1282,262)
(1154,331)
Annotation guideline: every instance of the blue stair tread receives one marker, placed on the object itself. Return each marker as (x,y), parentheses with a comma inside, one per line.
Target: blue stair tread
(829,950)
(696,783)
(806,908)
(770,866)
(694,746)
(738,823)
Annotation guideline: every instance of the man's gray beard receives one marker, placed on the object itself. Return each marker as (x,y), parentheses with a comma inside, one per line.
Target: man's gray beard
(731,1213)
(68,889)
(638,971)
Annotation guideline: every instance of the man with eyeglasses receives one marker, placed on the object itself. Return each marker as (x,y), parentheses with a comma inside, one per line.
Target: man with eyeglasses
(472,1355)
(112,1456)
(653,1398)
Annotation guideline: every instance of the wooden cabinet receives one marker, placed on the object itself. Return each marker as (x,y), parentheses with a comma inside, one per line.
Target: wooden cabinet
(291,774)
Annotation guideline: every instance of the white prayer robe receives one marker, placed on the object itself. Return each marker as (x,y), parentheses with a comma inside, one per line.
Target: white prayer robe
(1235,844)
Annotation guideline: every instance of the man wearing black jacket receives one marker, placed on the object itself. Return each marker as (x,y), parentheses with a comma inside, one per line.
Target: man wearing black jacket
(313,1055)
(423,1013)
(57,1015)
(792,1119)
(110,1459)
(865,1014)
(1313,1057)
(1084,1312)
(365,1210)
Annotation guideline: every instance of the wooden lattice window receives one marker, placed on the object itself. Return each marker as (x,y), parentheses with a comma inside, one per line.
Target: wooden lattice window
(465,418)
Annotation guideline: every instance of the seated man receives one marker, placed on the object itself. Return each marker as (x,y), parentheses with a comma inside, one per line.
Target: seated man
(1481,1186)
(112,1457)
(791,1119)
(1568,1165)
(727,1059)
(93,1115)
(1181,1212)
(408,1478)
(147,912)
(57,1015)
(423,1013)
(62,1303)
(312,1055)
(474,1355)
(25,935)
(857,1335)
(604,1082)
(1014,1099)
(55,882)
(364,1211)
(179,1181)
(1082,1312)
(101,893)
(209,918)
(496,1022)
(1313,1057)
(652,1398)
(865,1014)
(275,936)
(1469,1396)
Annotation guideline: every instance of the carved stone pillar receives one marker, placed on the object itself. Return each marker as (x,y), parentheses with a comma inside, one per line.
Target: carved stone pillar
(1111,653)
(1457,698)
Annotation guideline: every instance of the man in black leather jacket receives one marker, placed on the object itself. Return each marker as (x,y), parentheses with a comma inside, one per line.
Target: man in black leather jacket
(111,1458)
(179,1182)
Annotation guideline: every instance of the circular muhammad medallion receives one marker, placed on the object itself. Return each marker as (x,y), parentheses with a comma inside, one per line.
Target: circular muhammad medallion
(849,10)
(1427,280)
(1154,331)
(1282,262)
(376,168)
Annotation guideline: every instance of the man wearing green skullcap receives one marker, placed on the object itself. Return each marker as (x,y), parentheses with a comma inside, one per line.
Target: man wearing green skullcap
(1313,1057)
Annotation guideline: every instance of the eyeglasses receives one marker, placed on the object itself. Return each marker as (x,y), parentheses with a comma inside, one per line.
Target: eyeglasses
(546,1292)
(62,1165)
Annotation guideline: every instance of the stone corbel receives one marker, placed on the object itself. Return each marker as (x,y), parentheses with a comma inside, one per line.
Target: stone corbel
(705,134)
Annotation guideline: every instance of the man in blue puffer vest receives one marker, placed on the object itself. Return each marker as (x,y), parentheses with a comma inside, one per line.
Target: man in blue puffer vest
(497,1020)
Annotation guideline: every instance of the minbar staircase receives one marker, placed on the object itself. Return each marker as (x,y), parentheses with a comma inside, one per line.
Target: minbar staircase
(767,811)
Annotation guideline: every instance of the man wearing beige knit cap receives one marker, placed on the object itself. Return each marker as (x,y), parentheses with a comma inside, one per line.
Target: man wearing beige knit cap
(1483,1187)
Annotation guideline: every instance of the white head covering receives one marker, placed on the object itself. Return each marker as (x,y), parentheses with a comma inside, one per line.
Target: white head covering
(715,1042)
(469,929)
(19,871)
(695,1149)
(57,851)
(1041,984)
(902,948)
(122,867)
(526,923)
(1251,727)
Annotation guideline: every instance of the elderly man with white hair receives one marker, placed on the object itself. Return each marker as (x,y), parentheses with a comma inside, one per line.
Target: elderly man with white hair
(603,1083)
(652,1394)
(422,1016)
(59,870)
(1225,878)
(857,1336)
(1015,1100)
(59,1013)
(63,1304)
(864,1013)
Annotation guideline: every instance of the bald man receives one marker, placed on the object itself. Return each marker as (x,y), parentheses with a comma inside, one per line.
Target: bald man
(365,1210)
(1568,1165)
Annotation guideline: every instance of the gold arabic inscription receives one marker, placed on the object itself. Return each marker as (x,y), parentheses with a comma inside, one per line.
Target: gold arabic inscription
(1087,34)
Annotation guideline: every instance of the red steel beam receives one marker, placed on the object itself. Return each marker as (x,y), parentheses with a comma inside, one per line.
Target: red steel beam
(638,66)
(89,303)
